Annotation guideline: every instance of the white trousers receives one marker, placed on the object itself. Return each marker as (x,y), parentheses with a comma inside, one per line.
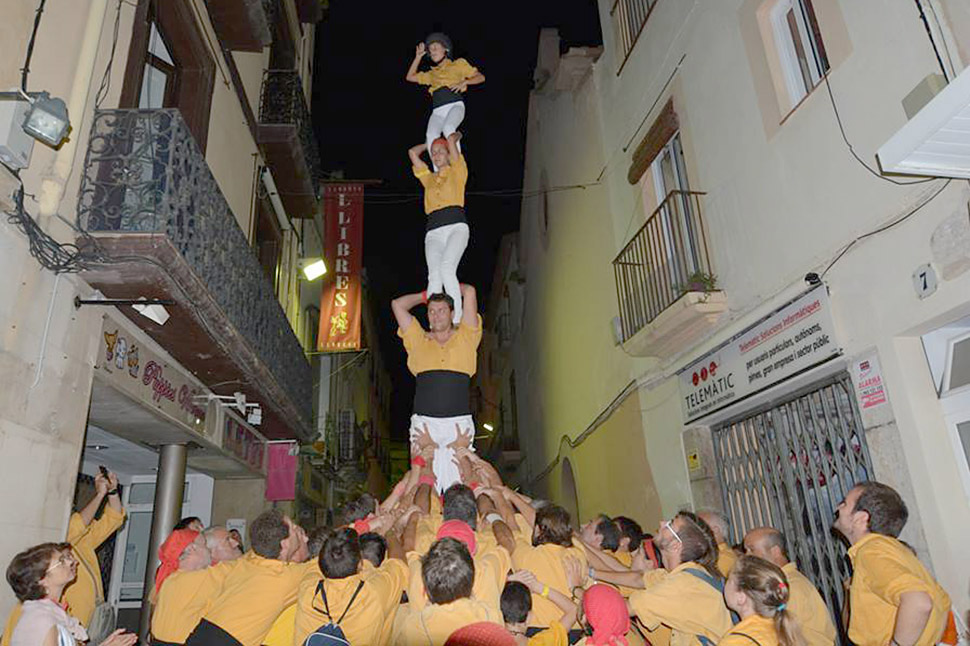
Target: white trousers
(443,122)
(443,431)
(443,248)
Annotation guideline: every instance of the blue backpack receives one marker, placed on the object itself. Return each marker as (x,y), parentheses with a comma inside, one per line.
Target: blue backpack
(330,633)
(718,584)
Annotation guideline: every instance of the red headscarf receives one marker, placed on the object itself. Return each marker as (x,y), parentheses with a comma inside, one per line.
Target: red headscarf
(483,633)
(460,530)
(169,553)
(607,613)
(439,141)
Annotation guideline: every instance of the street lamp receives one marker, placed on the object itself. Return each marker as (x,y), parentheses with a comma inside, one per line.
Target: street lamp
(488,427)
(313,268)
(46,120)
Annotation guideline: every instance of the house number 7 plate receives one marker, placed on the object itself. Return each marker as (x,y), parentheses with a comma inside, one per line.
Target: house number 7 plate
(924,280)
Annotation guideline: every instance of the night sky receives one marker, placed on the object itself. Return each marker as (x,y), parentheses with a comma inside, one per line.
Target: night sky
(366,116)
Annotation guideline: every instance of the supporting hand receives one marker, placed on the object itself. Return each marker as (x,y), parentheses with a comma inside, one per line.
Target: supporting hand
(422,440)
(462,439)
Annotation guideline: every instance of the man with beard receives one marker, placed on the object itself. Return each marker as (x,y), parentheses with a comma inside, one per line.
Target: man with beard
(443,361)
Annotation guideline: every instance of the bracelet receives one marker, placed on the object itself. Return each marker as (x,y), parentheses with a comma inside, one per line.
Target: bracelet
(592,573)
(418,461)
(545,591)
(494,517)
(361,526)
(113,492)
(428,480)
(424,296)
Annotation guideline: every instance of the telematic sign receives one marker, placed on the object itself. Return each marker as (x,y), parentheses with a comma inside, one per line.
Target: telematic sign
(796,337)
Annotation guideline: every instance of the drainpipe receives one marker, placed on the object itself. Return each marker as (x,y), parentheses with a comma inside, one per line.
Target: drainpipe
(55,178)
(169,487)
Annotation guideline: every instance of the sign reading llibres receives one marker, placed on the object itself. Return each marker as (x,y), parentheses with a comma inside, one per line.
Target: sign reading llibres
(343,210)
(796,337)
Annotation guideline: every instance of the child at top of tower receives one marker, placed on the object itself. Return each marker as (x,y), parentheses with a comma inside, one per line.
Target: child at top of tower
(447,81)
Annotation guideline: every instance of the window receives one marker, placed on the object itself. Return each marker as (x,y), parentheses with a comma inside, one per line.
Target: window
(169,65)
(629,17)
(800,48)
(268,241)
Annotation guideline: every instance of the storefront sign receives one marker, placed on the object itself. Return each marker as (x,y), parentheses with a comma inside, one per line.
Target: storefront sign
(340,303)
(126,363)
(239,439)
(792,339)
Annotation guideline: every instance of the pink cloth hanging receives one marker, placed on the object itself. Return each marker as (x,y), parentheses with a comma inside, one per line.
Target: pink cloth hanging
(281,471)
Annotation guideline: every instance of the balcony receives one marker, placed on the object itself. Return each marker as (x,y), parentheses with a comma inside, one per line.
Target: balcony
(311,11)
(243,25)
(286,137)
(664,280)
(152,205)
(629,18)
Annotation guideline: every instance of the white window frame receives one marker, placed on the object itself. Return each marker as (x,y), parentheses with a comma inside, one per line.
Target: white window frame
(956,411)
(791,70)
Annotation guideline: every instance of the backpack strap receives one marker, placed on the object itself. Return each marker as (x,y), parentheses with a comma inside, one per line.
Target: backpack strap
(351,602)
(718,584)
(736,632)
(323,594)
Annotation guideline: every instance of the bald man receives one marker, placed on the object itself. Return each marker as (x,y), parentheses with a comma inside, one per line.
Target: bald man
(721,527)
(805,603)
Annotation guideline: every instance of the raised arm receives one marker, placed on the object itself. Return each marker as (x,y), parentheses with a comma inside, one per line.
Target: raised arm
(412,74)
(453,153)
(414,154)
(469,306)
(402,306)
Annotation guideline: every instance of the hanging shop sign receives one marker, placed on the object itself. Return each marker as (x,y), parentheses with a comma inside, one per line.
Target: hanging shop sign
(343,209)
(792,339)
(241,440)
(126,361)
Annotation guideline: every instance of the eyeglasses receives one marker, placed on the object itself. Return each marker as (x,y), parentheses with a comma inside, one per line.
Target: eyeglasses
(65,559)
(669,524)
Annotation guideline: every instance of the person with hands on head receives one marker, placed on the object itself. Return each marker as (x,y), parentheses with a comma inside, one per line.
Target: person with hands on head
(446,227)
(443,360)
(38,577)
(517,606)
(759,593)
(447,81)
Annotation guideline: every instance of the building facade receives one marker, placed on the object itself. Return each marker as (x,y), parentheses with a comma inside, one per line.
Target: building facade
(189,177)
(726,302)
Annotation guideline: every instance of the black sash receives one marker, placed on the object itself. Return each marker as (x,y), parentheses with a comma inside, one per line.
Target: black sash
(442,393)
(209,634)
(444,96)
(445,216)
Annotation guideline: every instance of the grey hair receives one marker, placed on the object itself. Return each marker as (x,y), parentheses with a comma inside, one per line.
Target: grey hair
(718,521)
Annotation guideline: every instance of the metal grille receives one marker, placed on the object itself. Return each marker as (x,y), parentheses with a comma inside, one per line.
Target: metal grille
(788,466)
(629,17)
(346,436)
(283,102)
(666,258)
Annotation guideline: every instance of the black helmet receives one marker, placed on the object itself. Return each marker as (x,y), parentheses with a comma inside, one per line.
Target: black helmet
(438,37)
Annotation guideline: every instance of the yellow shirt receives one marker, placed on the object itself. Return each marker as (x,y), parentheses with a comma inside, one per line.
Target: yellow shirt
(183,599)
(372,610)
(883,569)
(434,624)
(686,604)
(726,558)
(546,563)
(444,188)
(283,631)
(81,596)
(458,354)
(491,569)
(554,635)
(809,610)
(427,531)
(446,74)
(760,629)
(253,595)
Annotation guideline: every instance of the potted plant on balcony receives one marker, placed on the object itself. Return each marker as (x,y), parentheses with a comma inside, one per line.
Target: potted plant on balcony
(700,281)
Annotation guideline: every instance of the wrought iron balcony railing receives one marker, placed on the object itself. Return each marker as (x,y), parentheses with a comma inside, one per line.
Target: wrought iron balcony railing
(629,18)
(283,103)
(144,174)
(664,260)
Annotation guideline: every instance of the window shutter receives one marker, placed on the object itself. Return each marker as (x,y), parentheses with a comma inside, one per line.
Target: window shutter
(659,134)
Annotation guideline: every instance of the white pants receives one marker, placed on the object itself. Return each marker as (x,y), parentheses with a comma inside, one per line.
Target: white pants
(443,431)
(443,248)
(443,122)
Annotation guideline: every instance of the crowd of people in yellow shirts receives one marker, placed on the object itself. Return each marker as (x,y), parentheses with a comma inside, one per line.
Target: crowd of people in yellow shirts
(481,564)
